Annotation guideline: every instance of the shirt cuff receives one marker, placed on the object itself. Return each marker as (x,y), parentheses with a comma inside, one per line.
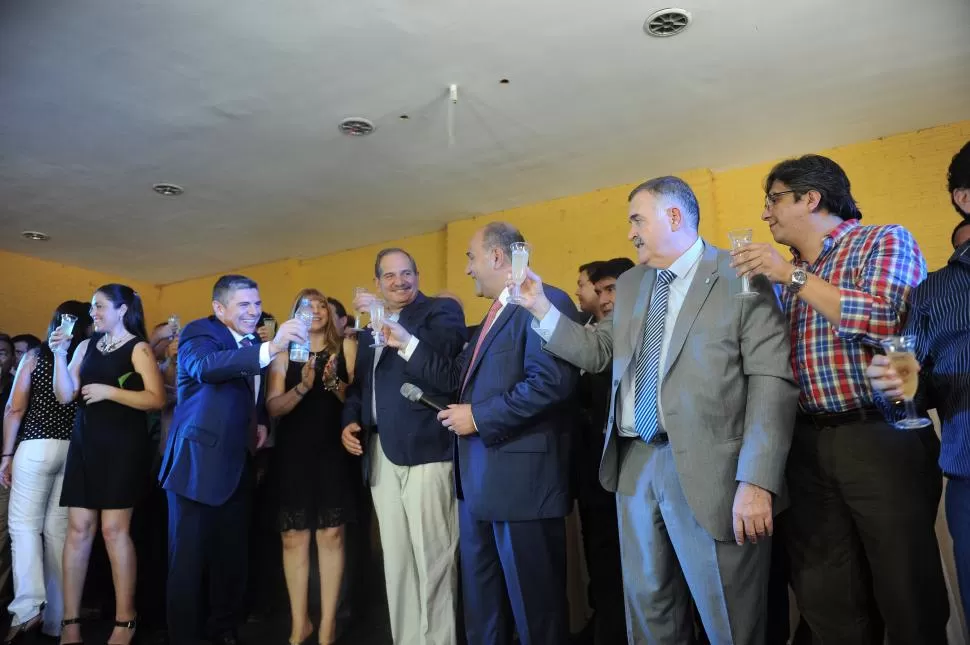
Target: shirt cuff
(264,357)
(408,350)
(547,325)
(474,423)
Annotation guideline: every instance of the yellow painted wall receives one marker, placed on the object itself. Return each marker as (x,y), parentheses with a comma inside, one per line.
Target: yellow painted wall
(335,275)
(30,290)
(899,179)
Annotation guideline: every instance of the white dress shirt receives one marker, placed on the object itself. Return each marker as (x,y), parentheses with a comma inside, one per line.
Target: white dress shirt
(684,268)
(264,357)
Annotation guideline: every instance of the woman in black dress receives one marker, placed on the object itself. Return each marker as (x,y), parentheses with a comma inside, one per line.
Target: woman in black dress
(315,493)
(116,380)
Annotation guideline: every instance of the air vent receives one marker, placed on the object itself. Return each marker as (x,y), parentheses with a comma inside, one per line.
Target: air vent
(168,190)
(35,236)
(667,22)
(356,127)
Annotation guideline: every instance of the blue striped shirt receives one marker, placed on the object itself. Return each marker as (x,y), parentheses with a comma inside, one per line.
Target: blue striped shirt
(939,318)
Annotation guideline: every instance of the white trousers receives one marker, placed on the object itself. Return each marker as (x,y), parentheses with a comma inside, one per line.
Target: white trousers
(38,528)
(418,521)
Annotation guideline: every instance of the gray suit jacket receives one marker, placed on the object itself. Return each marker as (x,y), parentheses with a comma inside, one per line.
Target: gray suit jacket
(728,393)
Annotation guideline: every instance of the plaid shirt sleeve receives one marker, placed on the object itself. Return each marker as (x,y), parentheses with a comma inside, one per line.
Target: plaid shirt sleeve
(875,307)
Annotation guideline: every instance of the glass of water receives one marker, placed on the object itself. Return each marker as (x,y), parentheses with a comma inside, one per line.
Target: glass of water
(377,321)
(174,326)
(740,238)
(520,262)
(67,324)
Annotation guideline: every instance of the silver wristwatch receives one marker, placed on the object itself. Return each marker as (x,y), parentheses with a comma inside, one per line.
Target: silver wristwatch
(798,279)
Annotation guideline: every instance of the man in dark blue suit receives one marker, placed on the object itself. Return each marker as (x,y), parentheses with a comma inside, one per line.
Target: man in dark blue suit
(512,426)
(408,457)
(219,422)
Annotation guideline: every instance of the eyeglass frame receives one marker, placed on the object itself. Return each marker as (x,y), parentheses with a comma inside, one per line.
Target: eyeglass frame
(772,198)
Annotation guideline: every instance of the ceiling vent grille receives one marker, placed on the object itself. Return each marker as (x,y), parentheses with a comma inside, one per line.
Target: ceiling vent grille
(356,127)
(667,22)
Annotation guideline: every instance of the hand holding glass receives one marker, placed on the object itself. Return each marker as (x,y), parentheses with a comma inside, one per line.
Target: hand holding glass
(377,321)
(740,238)
(520,262)
(901,352)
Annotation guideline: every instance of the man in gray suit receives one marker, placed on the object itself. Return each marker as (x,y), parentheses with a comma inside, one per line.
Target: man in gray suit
(700,421)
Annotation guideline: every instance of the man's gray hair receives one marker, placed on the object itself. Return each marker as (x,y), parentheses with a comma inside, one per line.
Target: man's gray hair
(501,235)
(676,189)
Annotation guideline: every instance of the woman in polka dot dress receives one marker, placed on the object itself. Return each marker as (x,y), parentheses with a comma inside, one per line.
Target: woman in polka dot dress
(36,433)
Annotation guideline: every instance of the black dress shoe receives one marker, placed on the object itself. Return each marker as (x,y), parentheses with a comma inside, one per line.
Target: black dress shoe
(229,638)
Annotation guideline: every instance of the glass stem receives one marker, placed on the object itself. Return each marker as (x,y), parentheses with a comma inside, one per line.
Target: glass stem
(745,284)
(910,409)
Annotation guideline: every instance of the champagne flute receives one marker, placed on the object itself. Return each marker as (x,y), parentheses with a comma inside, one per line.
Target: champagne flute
(901,351)
(520,262)
(377,321)
(740,238)
(357,292)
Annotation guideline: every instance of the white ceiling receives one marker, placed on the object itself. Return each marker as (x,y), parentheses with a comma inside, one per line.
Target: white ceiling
(239,101)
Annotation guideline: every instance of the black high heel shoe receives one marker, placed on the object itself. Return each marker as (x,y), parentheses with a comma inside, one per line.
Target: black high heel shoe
(71,621)
(127,624)
(23,629)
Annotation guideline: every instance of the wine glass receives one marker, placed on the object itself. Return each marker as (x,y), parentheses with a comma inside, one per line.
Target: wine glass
(357,292)
(901,352)
(520,262)
(377,321)
(740,238)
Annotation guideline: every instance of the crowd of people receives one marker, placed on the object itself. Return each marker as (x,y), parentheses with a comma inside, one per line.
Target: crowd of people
(724,420)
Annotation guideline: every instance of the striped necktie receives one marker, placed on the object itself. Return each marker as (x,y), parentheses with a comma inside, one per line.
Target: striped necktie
(648,360)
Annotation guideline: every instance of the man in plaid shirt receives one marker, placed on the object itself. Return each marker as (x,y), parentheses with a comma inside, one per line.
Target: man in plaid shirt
(860,531)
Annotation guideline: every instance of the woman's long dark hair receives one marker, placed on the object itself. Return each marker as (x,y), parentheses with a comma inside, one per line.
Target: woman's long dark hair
(134,320)
(78,309)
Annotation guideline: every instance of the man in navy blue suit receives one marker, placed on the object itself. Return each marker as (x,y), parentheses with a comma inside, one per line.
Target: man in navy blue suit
(408,457)
(219,423)
(512,427)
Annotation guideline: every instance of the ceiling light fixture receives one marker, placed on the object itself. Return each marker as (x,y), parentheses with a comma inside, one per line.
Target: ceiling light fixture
(168,190)
(356,126)
(667,22)
(35,236)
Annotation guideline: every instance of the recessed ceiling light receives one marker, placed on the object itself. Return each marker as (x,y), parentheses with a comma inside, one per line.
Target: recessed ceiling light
(169,190)
(35,236)
(356,126)
(667,22)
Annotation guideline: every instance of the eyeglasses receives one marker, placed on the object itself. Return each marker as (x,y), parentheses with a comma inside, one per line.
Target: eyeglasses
(772,198)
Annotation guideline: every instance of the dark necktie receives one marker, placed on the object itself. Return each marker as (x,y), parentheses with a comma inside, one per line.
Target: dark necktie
(247,341)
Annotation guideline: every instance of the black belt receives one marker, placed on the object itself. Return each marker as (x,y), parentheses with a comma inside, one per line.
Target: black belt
(835,419)
(658,439)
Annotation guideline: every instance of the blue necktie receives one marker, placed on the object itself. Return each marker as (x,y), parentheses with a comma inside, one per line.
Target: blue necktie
(648,361)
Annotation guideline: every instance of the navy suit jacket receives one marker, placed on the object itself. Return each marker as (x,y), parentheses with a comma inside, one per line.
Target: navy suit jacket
(517,466)
(208,442)
(410,432)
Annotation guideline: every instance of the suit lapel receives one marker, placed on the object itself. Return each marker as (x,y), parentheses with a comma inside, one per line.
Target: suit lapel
(640,307)
(700,287)
(502,319)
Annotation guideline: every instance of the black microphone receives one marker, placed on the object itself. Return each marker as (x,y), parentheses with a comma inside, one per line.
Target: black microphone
(413,393)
